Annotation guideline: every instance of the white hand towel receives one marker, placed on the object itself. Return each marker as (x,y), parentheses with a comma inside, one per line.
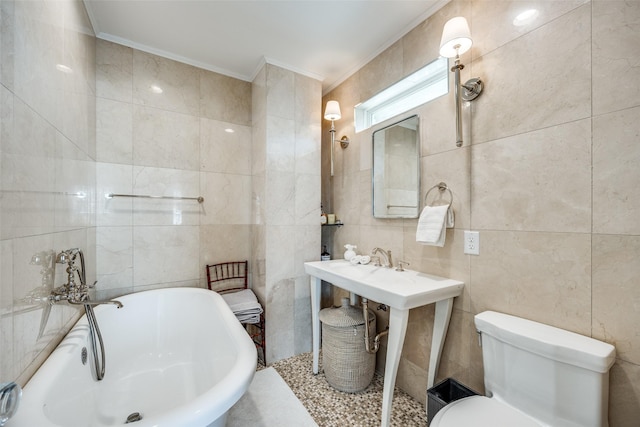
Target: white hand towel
(431,225)
(244,305)
(450,220)
(248,318)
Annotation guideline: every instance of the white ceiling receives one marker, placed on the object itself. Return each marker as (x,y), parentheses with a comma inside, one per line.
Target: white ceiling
(325,39)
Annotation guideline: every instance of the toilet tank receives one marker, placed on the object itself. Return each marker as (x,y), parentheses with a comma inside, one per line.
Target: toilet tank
(558,377)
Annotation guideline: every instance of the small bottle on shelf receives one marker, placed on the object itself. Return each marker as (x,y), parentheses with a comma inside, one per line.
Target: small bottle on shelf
(325,255)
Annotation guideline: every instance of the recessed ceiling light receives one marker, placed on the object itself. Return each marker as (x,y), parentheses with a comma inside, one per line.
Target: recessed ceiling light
(229,130)
(525,17)
(155,89)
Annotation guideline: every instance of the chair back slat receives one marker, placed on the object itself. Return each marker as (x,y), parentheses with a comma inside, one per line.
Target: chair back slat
(228,276)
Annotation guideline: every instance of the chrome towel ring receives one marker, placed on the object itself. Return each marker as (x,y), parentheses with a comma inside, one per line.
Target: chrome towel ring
(442,187)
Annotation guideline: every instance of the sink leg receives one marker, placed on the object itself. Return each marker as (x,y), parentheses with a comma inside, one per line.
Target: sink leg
(353,299)
(397,328)
(440,326)
(316,287)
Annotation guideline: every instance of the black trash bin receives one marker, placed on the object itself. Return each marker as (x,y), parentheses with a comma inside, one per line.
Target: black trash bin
(443,393)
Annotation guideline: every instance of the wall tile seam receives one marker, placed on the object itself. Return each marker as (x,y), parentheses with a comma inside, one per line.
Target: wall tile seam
(621,359)
(450,150)
(607,113)
(307,174)
(278,116)
(601,234)
(258,123)
(220,120)
(101,95)
(496,230)
(223,120)
(119,101)
(51,125)
(200,116)
(156,166)
(204,171)
(480,143)
(101,162)
(49,233)
(137,227)
(166,110)
(466,146)
(137,100)
(591,163)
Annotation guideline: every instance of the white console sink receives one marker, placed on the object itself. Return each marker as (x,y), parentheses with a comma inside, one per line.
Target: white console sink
(401,291)
(398,289)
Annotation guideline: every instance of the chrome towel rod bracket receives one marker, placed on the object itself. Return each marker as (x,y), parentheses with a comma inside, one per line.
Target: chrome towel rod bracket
(199,199)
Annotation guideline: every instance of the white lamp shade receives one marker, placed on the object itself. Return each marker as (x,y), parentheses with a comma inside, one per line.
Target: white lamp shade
(456,33)
(332,111)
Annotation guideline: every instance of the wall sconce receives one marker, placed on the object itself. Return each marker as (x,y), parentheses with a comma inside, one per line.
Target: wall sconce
(332,112)
(456,40)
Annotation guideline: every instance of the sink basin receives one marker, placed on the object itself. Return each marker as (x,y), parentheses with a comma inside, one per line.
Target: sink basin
(398,289)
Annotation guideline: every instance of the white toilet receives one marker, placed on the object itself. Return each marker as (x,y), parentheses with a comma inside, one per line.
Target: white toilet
(535,375)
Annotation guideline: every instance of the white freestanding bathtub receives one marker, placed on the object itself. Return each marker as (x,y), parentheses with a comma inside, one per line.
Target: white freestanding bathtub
(176,356)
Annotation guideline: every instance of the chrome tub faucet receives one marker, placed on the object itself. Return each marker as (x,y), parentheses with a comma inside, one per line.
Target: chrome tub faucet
(72,292)
(78,294)
(10,395)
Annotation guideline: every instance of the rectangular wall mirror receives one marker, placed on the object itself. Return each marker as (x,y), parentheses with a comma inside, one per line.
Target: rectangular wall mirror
(396,170)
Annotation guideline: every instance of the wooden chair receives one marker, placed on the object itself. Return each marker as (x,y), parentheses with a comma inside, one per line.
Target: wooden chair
(228,277)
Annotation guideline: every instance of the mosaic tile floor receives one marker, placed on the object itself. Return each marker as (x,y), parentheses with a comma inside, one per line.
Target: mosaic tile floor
(332,408)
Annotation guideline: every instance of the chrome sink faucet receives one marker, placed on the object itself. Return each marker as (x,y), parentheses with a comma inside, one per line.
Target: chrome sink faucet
(388,261)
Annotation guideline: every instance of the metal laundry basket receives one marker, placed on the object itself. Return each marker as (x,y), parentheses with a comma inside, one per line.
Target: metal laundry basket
(347,365)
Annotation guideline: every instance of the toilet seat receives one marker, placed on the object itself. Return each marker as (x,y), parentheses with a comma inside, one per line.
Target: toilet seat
(480,411)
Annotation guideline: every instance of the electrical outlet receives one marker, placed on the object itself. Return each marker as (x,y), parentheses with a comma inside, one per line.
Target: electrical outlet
(472,242)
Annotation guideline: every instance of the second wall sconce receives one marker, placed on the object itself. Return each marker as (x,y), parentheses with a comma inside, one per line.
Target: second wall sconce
(332,112)
(456,40)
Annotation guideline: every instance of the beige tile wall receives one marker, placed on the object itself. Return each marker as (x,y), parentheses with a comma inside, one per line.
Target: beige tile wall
(285,203)
(548,175)
(47,168)
(100,130)
(172,143)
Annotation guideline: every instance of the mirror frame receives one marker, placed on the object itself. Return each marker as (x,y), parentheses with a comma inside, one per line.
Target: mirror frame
(419,171)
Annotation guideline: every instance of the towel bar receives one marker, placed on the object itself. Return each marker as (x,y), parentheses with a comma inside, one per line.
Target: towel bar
(112,195)
(400,206)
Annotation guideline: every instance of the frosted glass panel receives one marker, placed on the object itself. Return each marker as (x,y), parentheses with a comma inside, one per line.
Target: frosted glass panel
(426,84)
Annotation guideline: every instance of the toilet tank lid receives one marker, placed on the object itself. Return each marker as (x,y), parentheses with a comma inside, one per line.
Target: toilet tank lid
(547,341)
